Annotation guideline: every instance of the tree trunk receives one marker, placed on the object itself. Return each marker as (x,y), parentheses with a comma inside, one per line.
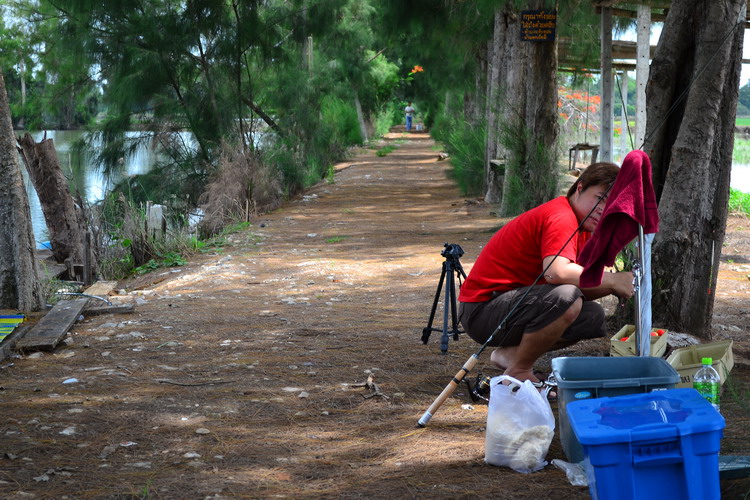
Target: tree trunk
(692,101)
(493,178)
(263,116)
(20,287)
(361,118)
(65,221)
(474,101)
(522,115)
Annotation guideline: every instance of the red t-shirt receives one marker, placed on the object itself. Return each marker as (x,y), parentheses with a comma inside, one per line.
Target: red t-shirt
(513,258)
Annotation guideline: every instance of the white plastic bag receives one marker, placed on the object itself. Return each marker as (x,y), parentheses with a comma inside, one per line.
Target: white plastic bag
(520,425)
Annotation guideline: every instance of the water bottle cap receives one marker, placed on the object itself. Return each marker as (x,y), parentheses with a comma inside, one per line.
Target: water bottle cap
(707,361)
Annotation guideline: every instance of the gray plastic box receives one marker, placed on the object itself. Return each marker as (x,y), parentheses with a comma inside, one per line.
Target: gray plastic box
(594,377)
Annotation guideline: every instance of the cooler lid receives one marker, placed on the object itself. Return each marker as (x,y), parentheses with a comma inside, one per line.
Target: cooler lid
(643,417)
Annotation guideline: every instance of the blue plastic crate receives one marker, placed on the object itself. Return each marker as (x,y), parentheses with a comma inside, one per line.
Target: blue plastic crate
(598,377)
(660,445)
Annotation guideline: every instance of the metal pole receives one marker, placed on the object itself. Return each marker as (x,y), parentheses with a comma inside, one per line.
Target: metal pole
(637,279)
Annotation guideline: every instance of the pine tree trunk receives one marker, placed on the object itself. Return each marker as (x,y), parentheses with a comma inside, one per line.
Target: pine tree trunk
(522,115)
(20,287)
(65,221)
(692,101)
(493,178)
(474,101)
(361,118)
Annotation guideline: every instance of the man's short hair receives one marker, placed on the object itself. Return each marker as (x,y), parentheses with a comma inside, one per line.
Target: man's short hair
(594,175)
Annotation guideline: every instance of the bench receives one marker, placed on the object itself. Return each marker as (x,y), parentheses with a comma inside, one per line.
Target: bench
(581,147)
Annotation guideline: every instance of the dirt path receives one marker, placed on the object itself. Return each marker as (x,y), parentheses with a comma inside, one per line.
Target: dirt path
(237,375)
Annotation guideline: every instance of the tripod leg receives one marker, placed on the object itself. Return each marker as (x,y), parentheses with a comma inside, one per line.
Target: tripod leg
(428,329)
(446,309)
(454,308)
(460,270)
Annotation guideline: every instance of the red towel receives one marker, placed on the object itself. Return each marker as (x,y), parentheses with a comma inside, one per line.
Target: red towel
(631,202)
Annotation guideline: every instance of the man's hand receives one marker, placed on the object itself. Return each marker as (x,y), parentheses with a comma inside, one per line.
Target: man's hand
(620,283)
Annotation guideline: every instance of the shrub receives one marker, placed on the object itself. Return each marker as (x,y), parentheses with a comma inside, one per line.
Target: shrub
(242,186)
(465,144)
(342,117)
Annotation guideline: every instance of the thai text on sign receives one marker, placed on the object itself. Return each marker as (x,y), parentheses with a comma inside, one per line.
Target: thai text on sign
(538,25)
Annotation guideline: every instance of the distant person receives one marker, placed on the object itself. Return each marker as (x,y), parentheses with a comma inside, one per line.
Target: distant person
(409,110)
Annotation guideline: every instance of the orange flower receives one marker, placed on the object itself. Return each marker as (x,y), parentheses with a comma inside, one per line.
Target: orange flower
(416,69)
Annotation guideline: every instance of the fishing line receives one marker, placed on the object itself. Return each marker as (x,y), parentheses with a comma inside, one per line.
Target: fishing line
(625,110)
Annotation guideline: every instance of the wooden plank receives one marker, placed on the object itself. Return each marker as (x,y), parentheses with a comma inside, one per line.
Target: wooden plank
(53,326)
(118,309)
(9,342)
(655,16)
(734,466)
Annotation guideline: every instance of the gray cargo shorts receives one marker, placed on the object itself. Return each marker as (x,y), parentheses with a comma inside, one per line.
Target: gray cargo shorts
(543,305)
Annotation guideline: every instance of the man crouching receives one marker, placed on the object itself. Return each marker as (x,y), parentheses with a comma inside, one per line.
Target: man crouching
(555,313)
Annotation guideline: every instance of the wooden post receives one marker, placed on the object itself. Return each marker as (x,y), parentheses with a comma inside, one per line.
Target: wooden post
(642,60)
(607,125)
(87,278)
(625,131)
(156,223)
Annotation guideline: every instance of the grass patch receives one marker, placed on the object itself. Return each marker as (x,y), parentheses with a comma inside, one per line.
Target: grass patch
(739,202)
(742,121)
(336,239)
(741,151)
(385,150)
(168,259)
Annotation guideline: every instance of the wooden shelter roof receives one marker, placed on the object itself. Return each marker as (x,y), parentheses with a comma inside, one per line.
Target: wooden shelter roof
(623,51)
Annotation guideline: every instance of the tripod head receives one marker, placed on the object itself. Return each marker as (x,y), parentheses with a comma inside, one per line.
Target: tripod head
(452,251)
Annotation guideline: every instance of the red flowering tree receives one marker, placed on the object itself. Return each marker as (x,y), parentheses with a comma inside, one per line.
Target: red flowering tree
(579,114)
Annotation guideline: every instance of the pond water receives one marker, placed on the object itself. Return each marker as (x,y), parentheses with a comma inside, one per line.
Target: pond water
(87,178)
(92,185)
(741,177)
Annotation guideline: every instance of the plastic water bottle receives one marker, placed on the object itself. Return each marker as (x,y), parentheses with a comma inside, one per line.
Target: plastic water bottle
(707,382)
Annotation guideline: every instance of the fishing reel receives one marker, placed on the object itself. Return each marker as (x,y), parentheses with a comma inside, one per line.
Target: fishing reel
(480,392)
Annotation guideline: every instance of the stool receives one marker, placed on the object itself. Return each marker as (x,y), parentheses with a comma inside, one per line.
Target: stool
(573,153)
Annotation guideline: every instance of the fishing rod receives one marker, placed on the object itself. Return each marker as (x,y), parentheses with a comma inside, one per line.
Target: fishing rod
(472,361)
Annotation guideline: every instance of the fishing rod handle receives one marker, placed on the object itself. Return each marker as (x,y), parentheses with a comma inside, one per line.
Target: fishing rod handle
(457,378)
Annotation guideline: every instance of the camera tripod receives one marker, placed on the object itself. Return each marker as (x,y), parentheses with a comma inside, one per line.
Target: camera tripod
(451,269)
